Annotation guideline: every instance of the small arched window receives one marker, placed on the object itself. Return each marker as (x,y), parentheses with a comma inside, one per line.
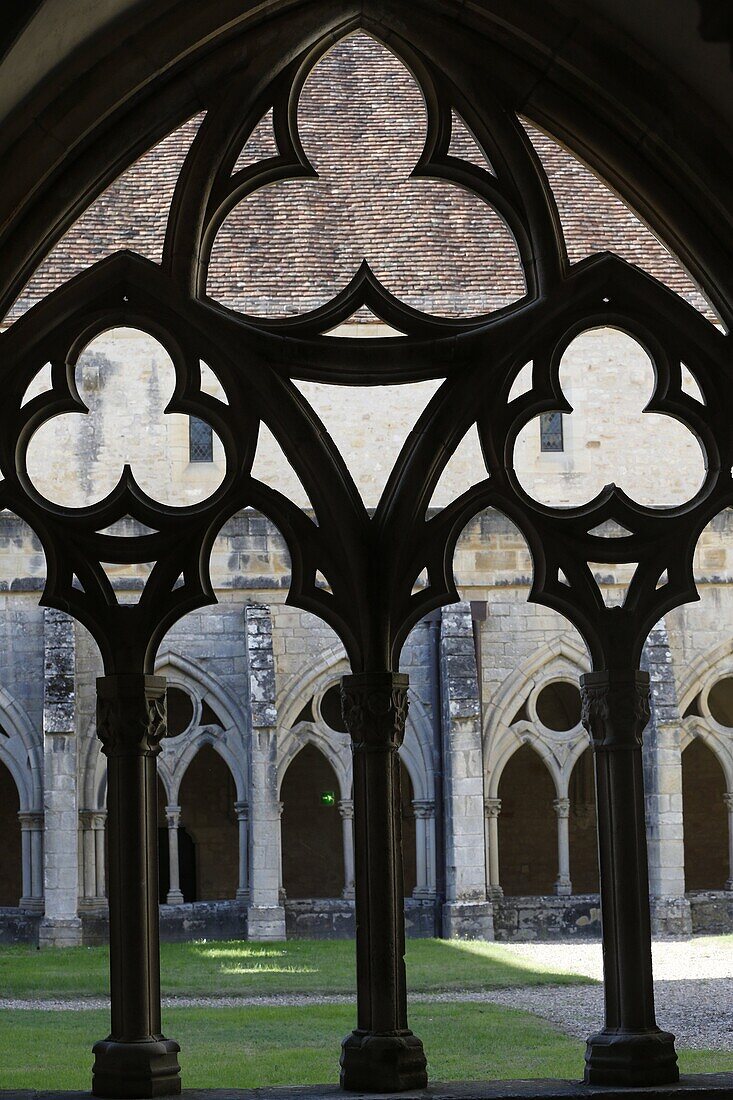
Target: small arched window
(200,440)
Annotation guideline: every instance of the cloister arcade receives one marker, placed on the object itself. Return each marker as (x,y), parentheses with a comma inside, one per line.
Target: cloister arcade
(375,564)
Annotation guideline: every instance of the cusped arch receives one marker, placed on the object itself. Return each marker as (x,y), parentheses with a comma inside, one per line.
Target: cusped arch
(545,755)
(329,666)
(700,671)
(695,728)
(191,752)
(311,733)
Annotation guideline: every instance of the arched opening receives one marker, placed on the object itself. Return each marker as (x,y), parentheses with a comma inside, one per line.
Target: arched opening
(409,841)
(11,875)
(582,831)
(527,826)
(312,838)
(705,820)
(208,825)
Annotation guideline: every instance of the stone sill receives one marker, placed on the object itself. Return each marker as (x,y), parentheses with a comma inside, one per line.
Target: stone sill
(715,1086)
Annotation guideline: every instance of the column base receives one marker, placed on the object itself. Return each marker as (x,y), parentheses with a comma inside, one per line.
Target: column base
(242,896)
(174,897)
(266,922)
(631,1058)
(125,1070)
(563,889)
(371,1062)
(32,905)
(468,920)
(59,933)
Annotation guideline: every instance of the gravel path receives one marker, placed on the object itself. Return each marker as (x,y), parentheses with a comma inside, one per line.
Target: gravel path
(698,1010)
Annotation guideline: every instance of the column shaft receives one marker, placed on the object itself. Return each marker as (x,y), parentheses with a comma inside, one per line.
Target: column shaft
(99,853)
(563,885)
(728,797)
(425,839)
(25,851)
(265,912)
(382,1054)
(173,817)
(346,809)
(89,856)
(135,1060)
(631,1050)
(492,809)
(37,860)
(242,811)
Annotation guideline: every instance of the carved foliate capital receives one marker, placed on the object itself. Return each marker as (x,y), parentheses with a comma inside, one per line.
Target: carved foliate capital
(131,714)
(615,708)
(562,807)
(375,709)
(492,807)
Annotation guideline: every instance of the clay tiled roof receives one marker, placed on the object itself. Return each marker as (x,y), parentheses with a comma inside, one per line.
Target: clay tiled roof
(291,247)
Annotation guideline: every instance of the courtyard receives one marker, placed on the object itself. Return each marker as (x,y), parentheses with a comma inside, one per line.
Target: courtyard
(254,1014)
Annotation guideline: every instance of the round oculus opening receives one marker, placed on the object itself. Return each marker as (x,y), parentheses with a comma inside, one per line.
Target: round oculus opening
(558,706)
(331,709)
(720,701)
(180,711)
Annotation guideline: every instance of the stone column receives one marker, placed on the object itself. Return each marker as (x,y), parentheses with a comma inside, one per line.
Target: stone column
(266,914)
(135,1060)
(467,914)
(88,858)
(98,825)
(242,811)
(174,895)
(279,842)
(728,799)
(662,758)
(31,839)
(37,861)
(425,842)
(563,884)
(346,809)
(381,1054)
(492,809)
(60,926)
(630,1050)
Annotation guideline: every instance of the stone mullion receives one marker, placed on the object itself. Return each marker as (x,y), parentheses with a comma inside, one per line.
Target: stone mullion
(630,1050)
(135,1060)
(382,1054)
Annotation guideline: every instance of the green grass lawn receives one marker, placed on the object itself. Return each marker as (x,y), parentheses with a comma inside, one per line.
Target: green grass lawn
(241,968)
(246,1047)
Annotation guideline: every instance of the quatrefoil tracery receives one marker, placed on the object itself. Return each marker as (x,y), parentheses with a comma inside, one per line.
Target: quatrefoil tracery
(371,562)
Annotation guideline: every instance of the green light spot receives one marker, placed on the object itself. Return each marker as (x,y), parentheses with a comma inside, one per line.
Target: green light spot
(328,798)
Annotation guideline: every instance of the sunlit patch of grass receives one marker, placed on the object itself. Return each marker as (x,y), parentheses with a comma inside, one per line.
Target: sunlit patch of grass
(268,970)
(241,951)
(239,969)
